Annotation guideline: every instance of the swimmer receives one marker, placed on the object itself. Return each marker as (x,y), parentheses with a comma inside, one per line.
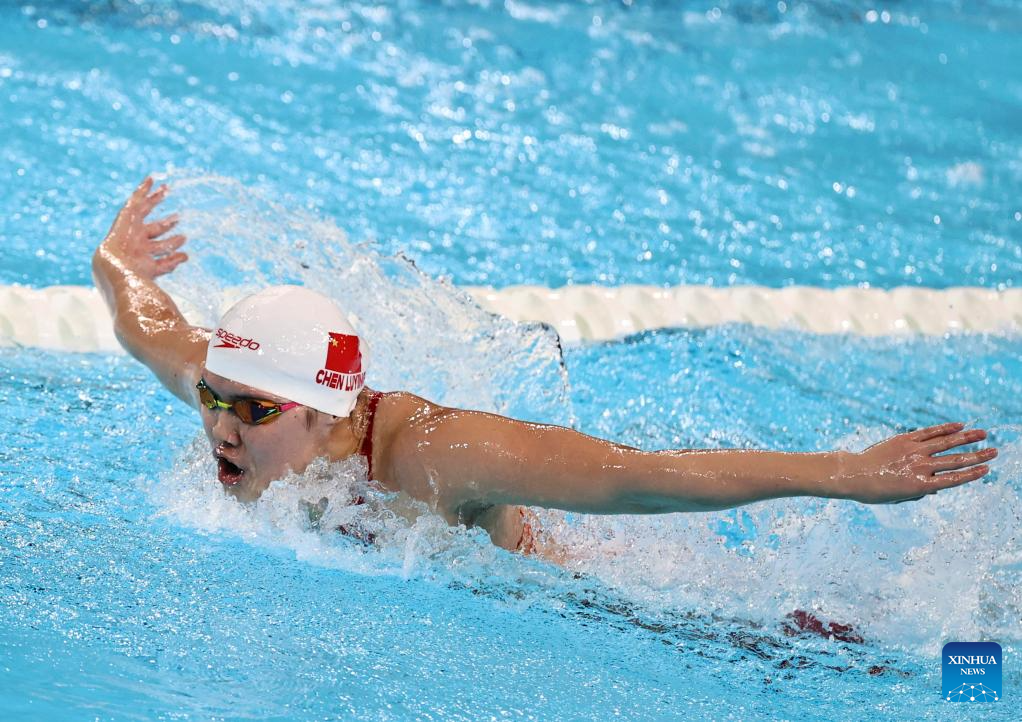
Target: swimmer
(280,381)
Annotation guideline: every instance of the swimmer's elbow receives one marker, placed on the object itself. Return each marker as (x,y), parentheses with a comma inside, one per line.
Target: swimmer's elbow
(139,338)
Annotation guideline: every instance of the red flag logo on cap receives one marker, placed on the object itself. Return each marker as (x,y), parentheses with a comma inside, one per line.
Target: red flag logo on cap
(343,355)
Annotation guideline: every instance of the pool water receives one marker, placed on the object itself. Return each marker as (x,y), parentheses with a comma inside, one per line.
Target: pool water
(132,589)
(819,143)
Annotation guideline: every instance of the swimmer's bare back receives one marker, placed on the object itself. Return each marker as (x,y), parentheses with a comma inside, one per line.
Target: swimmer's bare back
(479,468)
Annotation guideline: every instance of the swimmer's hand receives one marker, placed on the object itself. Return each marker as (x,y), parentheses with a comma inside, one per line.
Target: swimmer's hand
(906,467)
(147,322)
(137,245)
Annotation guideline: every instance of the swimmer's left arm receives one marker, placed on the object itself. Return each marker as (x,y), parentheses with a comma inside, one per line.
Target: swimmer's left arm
(478,459)
(904,467)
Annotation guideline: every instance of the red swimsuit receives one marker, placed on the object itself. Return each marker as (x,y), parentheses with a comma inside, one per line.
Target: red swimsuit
(367,452)
(367,442)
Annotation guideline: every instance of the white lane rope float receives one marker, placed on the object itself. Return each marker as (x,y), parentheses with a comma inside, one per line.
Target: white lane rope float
(602,313)
(74,318)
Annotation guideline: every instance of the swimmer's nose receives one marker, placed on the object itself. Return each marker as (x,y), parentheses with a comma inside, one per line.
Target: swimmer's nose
(225,428)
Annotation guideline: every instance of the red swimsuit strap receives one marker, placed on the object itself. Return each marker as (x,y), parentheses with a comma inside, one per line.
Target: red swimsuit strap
(367,451)
(367,442)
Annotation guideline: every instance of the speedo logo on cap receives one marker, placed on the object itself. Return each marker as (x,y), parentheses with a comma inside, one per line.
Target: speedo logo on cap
(343,365)
(229,340)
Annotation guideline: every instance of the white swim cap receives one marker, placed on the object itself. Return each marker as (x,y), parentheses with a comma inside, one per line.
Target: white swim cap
(291,342)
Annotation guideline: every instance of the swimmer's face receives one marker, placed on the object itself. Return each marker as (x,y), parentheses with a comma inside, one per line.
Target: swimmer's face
(250,457)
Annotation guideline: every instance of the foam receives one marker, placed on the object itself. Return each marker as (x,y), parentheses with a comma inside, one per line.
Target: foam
(302,512)
(904,575)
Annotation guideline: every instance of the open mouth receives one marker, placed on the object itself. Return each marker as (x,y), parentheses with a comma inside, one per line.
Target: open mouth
(228,473)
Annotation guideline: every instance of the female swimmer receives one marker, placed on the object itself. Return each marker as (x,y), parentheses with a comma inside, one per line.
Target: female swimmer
(281,381)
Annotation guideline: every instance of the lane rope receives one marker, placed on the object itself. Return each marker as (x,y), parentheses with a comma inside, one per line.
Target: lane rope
(602,313)
(74,318)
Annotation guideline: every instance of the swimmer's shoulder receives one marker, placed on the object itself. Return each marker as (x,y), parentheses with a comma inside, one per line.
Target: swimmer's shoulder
(399,411)
(398,407)
(399,416)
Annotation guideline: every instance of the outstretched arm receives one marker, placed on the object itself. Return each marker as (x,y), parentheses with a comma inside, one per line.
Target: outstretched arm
(474,460)
(147,322)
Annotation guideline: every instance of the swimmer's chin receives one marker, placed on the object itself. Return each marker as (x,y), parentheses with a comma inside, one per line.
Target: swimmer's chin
(243,492)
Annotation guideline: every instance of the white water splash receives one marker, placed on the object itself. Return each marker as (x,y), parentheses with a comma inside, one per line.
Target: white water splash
(303,512)
(907,575)
(903,575)
(425,335)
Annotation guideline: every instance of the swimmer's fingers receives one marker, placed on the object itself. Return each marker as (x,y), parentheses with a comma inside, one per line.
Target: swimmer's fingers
(169,263)
(937,482)
(950,441)
(158,228)
(933,432)
(957,478)
(959,461)
(142,191)
(167,246)
(150,201)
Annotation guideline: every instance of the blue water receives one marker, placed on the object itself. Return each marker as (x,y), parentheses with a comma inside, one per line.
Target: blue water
(119,603)
(828,143)
(131,589)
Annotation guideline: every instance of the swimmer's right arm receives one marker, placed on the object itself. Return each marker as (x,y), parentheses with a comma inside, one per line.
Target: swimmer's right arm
(147,322)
